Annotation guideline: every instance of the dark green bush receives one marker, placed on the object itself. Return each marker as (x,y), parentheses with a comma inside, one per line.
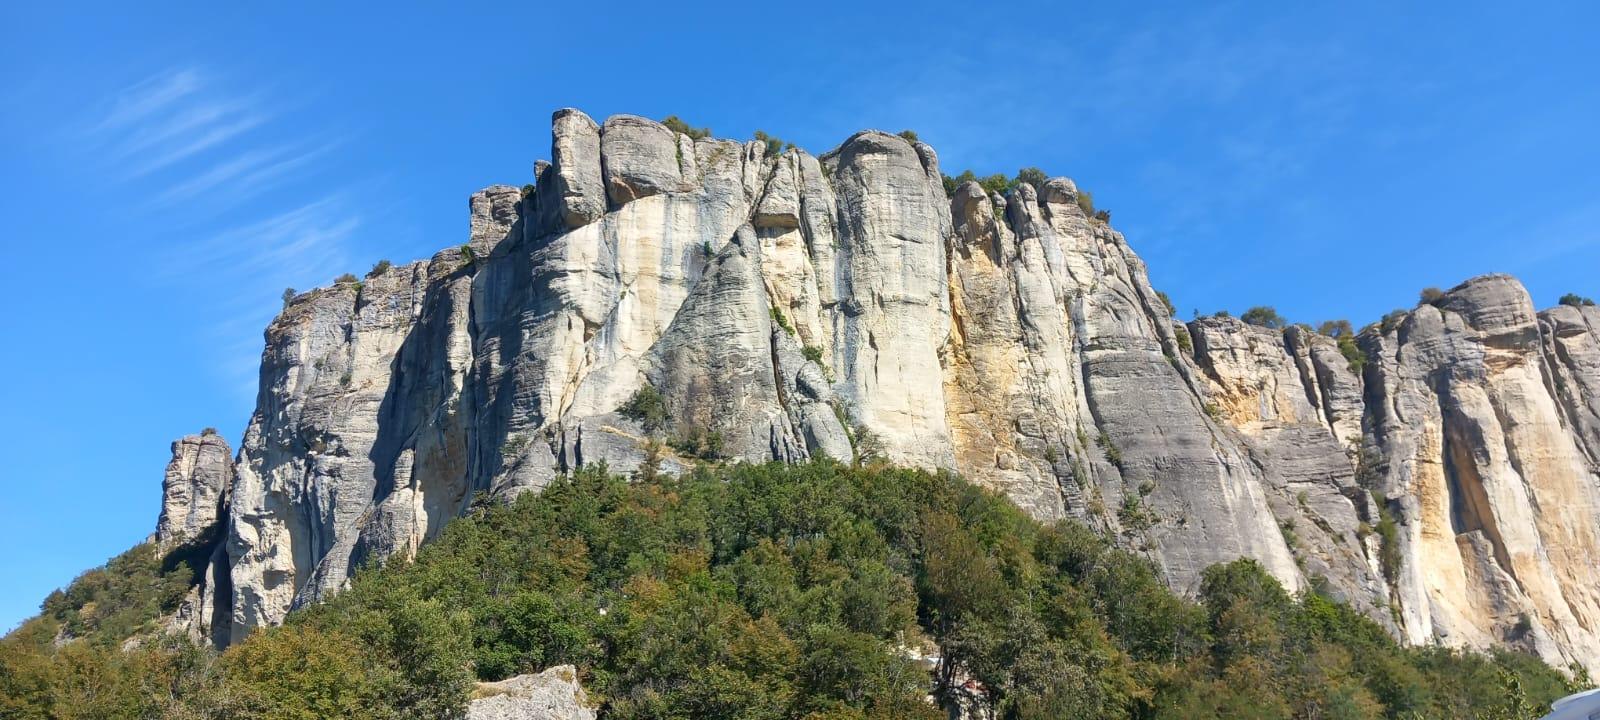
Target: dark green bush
(1576,300)
(1264,316)
(677,125)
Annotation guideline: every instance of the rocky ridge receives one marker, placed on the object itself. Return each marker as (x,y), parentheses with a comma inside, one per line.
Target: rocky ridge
(782,306)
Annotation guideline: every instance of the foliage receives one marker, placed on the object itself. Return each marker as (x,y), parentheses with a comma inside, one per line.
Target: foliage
(910,136)
(1264,316)
(778,591)
(380,268)
(773,145)
(812,353)
(1032,176)
(677,125)
(1430,296)
(992,184)
(1576,300)
(346,279)
(1352,353)
(1335,328)
(288,296)
(1185,342)
(1086,202)
(647,407)
(528,190)
(779,319)
(468,254)
(1167,302)
(1392,320)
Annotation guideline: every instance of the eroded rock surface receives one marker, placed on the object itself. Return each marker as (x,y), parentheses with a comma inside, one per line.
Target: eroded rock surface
(785,306)
(554,694)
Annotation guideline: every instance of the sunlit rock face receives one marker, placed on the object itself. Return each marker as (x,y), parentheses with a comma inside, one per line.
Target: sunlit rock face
(785,306)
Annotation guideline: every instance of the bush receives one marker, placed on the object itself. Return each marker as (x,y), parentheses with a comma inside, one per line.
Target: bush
(1576,300)
(1335,328)
(1430,296)
(1032,176)
(1086,203)
(779,319)
(1264,316)
(379,269)
(910,136)
(1352,353)
(647,407)
(677,125)
(1167,303)
(774,146)
(992,184)
(288,296)
(812,353)
(346,279)
(1185,342)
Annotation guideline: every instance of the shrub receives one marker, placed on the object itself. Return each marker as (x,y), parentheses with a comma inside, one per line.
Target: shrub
(1352,353)
(468,254)
(677,125)
(1086,202)
(1392,320)
(992,184)
(1032,176)
(1335,328)
(780,320)
(1264,316)
(910,136)
(379,269)
(1430,296)
(699,443)
(528,190)
(647,407)
(812,353)
(1576,300)
(288,296)
(1167,302)
(1185,342)
(774,146)
(346,279)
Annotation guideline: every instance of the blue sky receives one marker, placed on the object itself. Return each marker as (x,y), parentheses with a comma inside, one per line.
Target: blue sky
(166,172)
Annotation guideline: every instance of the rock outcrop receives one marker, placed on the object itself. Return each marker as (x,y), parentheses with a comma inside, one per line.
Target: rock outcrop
(550,695)
(194,493)
(654,300)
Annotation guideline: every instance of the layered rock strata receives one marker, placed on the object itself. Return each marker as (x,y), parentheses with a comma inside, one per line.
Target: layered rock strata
(654,300)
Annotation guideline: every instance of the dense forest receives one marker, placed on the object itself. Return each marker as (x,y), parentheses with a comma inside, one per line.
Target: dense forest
(816,591)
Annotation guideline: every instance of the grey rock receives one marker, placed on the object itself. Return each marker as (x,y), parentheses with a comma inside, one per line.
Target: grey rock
(554,694)
(641,158)
(194,492)
(571,187)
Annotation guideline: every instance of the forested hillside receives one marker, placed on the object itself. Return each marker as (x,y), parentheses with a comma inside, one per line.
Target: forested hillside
(761,591)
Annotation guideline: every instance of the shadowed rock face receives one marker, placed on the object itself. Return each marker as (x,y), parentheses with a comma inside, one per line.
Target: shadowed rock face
(791,306)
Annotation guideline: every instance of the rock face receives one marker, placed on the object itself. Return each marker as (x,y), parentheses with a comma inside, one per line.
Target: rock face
(1481,441)
(551,695)
(194,493)
(783,306)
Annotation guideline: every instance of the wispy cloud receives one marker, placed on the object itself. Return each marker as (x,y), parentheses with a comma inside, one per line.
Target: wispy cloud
(148,97)
(244,175)
(196,154)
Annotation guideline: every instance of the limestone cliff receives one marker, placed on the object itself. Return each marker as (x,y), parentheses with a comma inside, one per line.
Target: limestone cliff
(782,306)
